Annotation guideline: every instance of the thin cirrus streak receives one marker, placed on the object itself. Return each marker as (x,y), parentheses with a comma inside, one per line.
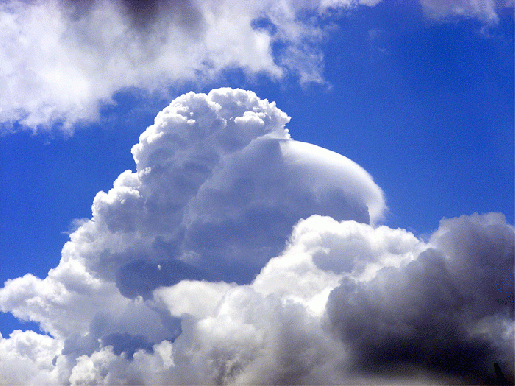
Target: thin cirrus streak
(237,255)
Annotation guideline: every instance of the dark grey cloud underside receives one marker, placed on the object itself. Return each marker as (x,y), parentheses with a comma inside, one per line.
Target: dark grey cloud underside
(420,318)
(145,14)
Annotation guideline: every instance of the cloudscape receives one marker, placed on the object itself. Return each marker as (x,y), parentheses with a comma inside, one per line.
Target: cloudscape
(234,240)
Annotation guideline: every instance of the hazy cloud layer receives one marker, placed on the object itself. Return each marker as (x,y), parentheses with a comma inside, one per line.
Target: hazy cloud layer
(237,255)
(60,62)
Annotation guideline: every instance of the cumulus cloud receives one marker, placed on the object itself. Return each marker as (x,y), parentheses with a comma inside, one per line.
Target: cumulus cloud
(448,312)
(60,62)
(234,254)
(27,357)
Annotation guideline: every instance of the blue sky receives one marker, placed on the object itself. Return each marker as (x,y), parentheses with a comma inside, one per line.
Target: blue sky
(420,97)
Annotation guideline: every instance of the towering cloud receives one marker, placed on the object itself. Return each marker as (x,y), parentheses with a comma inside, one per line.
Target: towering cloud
(237,255)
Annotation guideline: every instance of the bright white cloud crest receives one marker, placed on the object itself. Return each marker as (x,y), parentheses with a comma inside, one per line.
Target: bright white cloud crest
(237,255)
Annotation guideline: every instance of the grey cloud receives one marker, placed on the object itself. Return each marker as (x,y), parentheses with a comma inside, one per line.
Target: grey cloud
(407,323)
(140,278)
(183,12)
(76,345)
(480,252)
(425,316)
(127,344)
(147,16)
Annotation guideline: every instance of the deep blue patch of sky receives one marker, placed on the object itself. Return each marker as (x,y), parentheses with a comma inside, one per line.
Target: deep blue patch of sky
(426,108)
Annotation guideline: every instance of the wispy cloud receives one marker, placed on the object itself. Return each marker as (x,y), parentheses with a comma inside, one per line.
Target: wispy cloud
(62,61)
(485,10)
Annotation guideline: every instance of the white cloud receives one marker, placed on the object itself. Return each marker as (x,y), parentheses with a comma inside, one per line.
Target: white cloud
(60,62)
(237,255)
(415,316)
(26,358)
(218,186)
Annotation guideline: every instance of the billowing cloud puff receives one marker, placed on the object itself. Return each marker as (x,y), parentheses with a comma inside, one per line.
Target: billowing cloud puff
(60,62)
(218,186)
(27,358)
(448,312)
(237,255)
(219,183)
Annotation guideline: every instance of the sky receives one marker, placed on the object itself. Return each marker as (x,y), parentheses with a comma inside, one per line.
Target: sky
(273,192)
